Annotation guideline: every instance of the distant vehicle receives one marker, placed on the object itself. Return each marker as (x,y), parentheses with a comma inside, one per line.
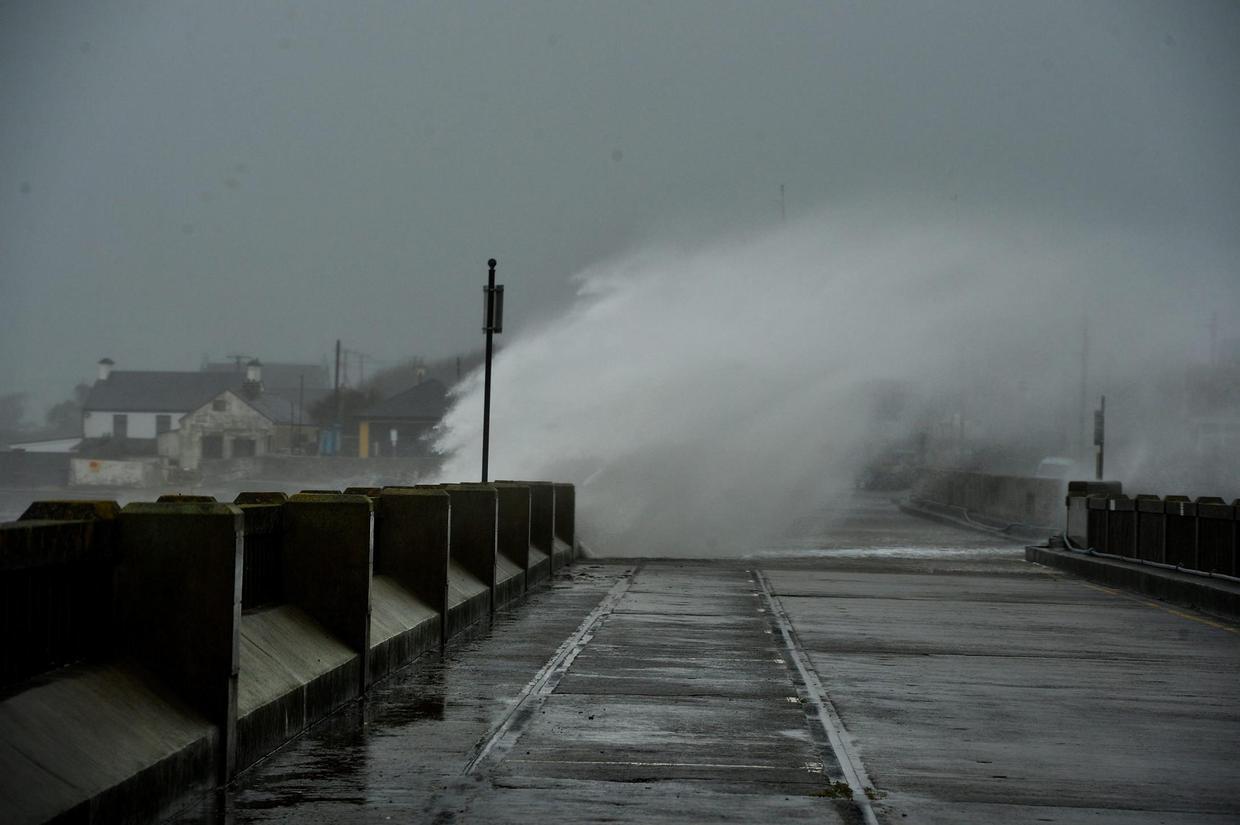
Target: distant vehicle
(1055,467)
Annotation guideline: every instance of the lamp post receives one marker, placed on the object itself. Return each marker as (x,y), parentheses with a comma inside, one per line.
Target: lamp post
(493,324)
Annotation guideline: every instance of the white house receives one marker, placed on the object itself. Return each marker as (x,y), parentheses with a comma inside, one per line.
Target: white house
(141,405)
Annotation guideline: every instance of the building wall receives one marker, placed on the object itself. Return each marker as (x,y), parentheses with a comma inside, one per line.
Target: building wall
(374,438)
(238,420)
(98,423)
(113,473)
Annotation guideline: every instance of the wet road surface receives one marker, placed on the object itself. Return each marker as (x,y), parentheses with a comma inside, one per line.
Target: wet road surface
(890,670)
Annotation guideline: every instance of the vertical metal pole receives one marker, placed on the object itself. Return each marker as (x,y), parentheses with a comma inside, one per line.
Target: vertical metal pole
(301,405)
(1084,445)
(334,441)
(486,386)
(1102,418)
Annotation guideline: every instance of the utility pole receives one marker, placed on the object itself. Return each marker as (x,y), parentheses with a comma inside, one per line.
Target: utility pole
(493,323)
(1084,401)
(1100,427)
(301,404)
(336,391)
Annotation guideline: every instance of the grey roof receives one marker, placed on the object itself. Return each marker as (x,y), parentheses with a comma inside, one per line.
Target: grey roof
(141,391)
(280,374)
(278,409)
(427,401)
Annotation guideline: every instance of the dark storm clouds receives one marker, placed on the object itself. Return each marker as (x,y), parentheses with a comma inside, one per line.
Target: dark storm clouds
(184,178)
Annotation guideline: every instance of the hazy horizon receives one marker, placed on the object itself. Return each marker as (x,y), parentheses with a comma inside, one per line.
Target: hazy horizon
(179,180)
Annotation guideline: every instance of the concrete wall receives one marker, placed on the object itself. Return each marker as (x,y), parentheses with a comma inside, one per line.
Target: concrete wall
(115,472)
(183,684)
(1004,499)
(1201,535)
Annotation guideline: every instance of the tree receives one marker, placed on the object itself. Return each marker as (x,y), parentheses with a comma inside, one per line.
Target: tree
(12,411)
(68,413)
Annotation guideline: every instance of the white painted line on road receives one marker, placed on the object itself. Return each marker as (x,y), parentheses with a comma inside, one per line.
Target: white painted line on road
(837,734)
(548,677)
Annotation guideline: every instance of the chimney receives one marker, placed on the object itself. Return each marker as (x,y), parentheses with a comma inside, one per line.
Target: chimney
(252,387)
(105,368)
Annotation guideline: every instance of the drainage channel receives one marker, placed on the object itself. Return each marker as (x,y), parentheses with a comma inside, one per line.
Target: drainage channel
(545,681)
(850,764)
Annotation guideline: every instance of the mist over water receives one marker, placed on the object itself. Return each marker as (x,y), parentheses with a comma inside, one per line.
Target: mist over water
(703,396)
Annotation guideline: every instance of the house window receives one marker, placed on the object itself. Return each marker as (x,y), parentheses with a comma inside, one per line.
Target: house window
(213,446)
(220,405)
(163,423)
(120,426)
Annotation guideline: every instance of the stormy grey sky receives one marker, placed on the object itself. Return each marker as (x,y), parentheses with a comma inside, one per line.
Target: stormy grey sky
(180,179)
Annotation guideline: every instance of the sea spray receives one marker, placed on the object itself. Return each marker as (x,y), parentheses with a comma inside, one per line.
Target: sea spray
(703,396)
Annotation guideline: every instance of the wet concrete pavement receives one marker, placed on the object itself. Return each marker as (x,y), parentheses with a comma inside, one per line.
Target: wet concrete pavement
(937,674)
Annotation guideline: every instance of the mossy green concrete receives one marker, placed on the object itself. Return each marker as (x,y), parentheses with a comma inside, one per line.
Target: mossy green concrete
(260,498)
(472,535)
(69,510)
(412,542)
(293,673)
(469,599)
(178,599)
(509,581)
(327,557)
(402,626)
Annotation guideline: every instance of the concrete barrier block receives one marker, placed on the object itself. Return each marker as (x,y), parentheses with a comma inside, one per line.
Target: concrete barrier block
(1151,528)
(171,498)
(262,579)
(260,498)
(1096,530)
(1085,489)
(1180,531)
(66,510)
(412,540)
(178,587)
(1216,536)
(513,536)
(370,492)
(541,530)
(475,508)
(326,558)
(512,540)
(565,525)
(55,590)
(412,537)
(1121,526)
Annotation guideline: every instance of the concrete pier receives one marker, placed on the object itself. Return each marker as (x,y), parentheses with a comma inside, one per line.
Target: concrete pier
(154,652)
(898,669)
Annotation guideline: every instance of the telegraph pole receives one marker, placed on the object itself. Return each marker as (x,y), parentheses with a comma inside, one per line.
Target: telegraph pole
(493,323)
(336,425)
(1100,427)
